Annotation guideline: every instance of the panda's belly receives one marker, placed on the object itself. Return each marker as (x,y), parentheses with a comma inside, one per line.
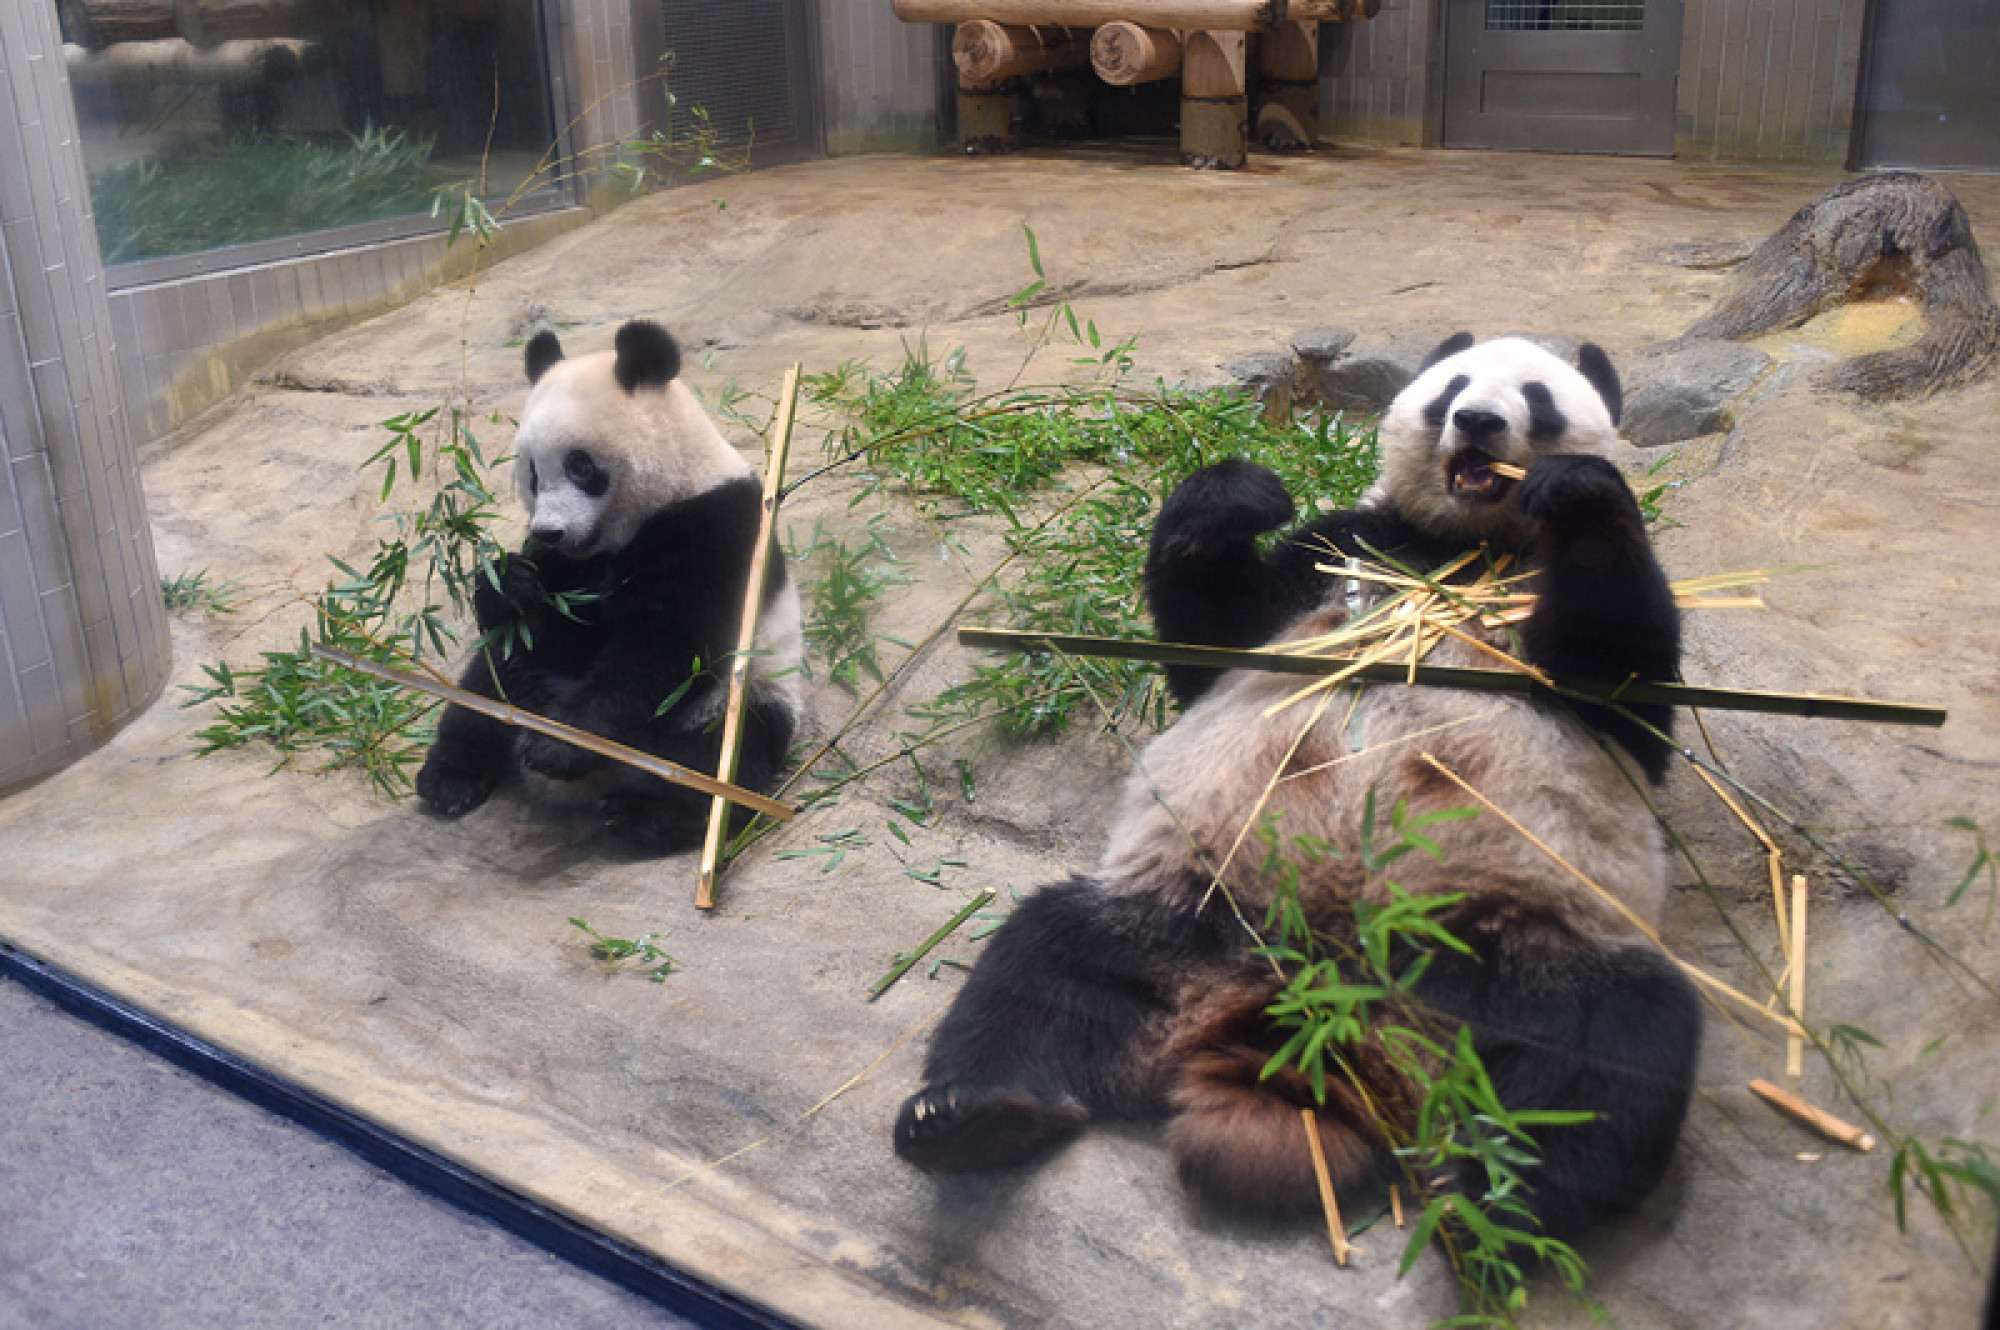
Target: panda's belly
(1203,790)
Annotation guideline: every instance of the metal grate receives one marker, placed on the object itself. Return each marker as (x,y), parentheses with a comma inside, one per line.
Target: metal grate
(733,61)
(1565,15)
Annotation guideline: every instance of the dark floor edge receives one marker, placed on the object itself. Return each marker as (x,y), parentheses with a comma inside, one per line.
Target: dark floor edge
(609,1258)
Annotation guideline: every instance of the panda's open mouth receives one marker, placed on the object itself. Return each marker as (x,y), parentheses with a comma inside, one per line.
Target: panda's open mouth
(1470,475)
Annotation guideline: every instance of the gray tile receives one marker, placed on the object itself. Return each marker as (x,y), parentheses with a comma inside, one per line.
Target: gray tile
(20,603)
(243,300)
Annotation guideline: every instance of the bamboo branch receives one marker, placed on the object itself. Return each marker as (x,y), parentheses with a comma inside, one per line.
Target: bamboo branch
(508,714)
(902,966)
(1630,693)
(1335,1229)
(746,638)
(1795,1046)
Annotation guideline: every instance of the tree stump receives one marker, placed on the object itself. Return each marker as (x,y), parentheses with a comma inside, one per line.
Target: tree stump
(1215,101)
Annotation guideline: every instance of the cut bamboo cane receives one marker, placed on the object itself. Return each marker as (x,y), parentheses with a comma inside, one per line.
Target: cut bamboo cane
(903,964)
(1821,1121)
(746,637)
(1795,1047)
(1396,1204)
(1335,1230)
(555,729)
(1125,54)
(1812,705)
(985,51)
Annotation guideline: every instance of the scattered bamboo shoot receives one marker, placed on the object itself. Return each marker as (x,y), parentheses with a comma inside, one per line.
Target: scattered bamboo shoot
(1821,1121)
(903,963)
(746,639)
(1795,1046)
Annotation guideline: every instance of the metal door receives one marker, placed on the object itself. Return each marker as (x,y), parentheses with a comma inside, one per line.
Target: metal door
(746,64)
(1930,85)
(1562,75)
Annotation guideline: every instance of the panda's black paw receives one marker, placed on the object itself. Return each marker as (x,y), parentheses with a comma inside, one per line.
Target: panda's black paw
(650,826)
(555,759)
(1569,489)
(968,1129)
(1218,506)
(451,793)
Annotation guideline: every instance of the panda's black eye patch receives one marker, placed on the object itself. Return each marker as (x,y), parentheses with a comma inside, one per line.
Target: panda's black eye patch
(1545,419)
(1440,406)
(584,473)
(534,480)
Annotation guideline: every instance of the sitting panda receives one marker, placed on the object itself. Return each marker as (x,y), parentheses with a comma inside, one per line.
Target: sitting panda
(637,502)
(1131,993)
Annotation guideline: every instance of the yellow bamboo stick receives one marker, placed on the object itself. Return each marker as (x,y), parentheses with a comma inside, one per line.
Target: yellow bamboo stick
(746,639)
(1821,1121)
(1334,1228)
(1795,1046)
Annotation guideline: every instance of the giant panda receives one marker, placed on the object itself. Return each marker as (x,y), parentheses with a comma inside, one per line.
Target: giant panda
(636,501)
(1131,992)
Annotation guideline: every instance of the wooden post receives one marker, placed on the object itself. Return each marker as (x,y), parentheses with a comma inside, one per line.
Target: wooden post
(746,638)
(1239,15)
(989,117)
(1215,101)
(986,52)
(1125,53)
(1288,87)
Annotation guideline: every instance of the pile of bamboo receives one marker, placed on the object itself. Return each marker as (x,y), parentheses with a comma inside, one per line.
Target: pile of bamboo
(1212,46)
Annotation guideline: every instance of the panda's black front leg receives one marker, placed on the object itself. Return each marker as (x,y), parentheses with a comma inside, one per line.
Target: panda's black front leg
(1604,612)
(470,753)
(1044,1036)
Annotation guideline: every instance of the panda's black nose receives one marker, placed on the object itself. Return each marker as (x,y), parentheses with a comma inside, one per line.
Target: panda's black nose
(1478,424)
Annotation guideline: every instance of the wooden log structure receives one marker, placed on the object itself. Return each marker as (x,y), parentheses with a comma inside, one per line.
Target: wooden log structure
(96,24)
(986,52)
(173,60)
(1124,54)
(1180,15)
(1288,87)
(1209,44)
(1215,100)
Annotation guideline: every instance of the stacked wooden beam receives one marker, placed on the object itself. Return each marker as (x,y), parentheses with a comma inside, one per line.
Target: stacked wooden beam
(1215,48)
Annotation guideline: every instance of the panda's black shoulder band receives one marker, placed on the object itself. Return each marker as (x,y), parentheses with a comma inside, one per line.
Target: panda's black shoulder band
(544,350)
(647,356)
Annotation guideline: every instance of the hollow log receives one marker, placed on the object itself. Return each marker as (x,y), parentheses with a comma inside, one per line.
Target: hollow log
(1125,53)
(1215,100)
(986,52)
(1288,87)
(95,24)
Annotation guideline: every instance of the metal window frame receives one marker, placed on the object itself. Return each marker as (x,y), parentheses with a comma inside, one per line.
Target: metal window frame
(563,191)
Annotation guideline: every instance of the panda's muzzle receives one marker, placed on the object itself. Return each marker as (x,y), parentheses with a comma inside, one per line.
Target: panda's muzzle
(1470,475)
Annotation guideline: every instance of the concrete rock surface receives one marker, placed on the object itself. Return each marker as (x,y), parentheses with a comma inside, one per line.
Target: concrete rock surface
(425,973)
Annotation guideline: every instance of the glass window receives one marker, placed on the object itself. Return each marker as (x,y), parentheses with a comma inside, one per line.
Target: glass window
(212,123)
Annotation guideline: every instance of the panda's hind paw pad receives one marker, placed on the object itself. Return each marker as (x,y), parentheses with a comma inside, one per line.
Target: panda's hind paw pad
(960,1129)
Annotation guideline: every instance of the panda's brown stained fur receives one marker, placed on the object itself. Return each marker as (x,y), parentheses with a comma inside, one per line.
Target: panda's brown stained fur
(1237,1138)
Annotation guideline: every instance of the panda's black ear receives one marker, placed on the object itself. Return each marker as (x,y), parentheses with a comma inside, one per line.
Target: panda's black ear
(1595,366)
(647,357)
(1450,346)
(543,351)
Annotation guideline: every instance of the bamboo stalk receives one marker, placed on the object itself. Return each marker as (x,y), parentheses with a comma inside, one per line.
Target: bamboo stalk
(1821,1121)
(1335,1230)
(902,967)
(1795,1046)
(508,714)
(746,638)
(1396,1204)
(1634,692)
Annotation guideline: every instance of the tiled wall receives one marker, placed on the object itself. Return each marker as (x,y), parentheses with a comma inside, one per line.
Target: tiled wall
(1769,80)
(880,77)
(83,637)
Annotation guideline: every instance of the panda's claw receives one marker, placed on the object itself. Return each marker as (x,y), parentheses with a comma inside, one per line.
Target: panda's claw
(452,793)
(964,1129)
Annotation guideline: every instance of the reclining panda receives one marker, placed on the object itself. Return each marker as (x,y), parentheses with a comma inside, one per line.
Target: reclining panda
(1130,992)
(639,504)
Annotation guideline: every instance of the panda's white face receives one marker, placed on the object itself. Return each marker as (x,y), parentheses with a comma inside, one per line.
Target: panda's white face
(1506,401)
(595,460)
